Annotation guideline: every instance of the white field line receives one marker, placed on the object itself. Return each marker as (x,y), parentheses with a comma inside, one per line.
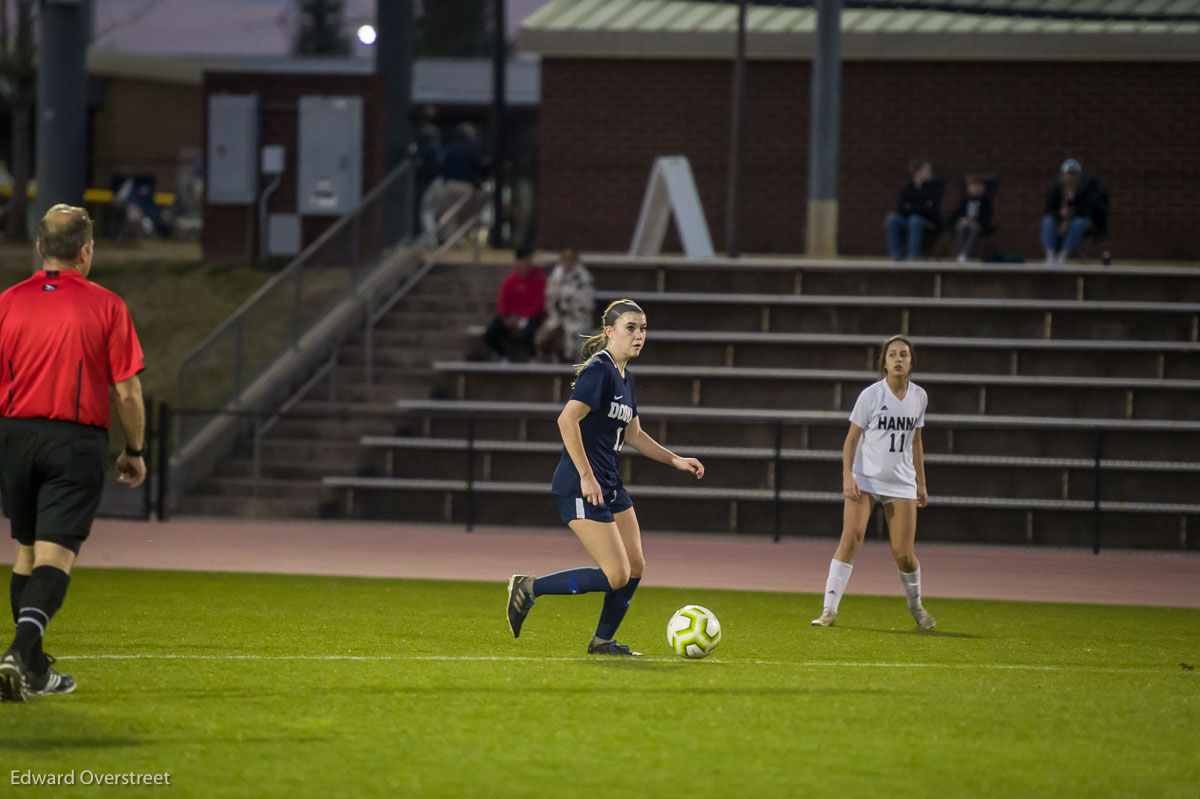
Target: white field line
(799,664)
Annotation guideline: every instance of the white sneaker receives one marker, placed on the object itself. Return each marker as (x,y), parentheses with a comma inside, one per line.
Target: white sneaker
(828,618)
(963,259)
(14,683)
(924,620)
(1060,259)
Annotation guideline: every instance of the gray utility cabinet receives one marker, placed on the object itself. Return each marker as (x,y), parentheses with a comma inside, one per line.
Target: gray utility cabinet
(232,149)
(330,155)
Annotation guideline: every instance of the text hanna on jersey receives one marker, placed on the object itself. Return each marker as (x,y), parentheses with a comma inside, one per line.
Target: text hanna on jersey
(896,423)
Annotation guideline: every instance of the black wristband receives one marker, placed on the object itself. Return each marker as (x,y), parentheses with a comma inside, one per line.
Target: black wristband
(134,453)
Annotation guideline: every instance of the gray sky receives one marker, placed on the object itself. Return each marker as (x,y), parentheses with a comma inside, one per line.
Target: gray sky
(225,27)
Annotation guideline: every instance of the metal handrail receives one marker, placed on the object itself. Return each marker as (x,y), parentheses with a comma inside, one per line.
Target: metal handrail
(775,493)
(263,420)
(329,368)
(479,199)
(287,272)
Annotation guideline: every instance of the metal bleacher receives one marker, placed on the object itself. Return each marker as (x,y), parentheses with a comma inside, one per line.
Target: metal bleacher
(1061,403)
(835,389)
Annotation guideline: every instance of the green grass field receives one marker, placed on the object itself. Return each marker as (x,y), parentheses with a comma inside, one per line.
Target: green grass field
(264,686)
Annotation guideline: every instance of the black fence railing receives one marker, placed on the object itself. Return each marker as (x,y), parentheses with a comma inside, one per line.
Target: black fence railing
(778,454)
(783,441)
(148,500)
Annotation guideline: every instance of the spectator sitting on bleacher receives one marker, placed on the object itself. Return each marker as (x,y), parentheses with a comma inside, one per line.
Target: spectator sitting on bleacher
(520,309)
(570,296)
(918,211)
(1072,202)
(972,217)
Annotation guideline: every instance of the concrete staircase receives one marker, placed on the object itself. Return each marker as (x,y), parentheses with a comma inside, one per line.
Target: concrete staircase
(319,437)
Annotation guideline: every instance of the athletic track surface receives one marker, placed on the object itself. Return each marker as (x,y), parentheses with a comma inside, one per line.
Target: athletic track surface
(447,552)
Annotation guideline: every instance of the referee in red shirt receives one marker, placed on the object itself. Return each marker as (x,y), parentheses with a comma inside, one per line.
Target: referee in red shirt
(64,341)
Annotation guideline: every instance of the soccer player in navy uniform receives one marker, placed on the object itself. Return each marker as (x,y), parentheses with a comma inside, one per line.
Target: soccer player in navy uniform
(600,418)
(883,462)
(64,343)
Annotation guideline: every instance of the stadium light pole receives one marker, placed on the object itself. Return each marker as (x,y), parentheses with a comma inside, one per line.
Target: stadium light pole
(733,199)
(393,63)
(61,137)
(825,109)
(499,63)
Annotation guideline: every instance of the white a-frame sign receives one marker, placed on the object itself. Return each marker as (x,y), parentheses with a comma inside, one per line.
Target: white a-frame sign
(671,189)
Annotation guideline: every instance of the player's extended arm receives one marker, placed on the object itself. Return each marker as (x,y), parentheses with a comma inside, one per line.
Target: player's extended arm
(919,466)
(568,427)
(640,440)
(131,412)
(849,487)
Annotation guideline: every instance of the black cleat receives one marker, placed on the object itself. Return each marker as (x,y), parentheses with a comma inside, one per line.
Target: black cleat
(14,685)
(51,682)
(598,647)
(520,601)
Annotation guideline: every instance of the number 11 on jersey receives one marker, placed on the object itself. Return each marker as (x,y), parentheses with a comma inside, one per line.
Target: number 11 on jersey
(893,449)
(620,442)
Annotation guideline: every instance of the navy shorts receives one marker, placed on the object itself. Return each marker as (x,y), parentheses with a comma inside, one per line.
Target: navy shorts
(572,508)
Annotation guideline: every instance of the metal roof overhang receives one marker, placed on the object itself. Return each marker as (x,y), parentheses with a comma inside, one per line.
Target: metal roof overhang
(706,30)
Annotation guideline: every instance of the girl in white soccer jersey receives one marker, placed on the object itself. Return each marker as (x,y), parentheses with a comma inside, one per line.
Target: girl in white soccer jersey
(599,419)
(883,461)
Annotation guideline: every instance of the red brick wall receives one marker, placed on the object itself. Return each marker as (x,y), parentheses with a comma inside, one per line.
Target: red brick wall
(1136,125)
(142,128)
(226,227)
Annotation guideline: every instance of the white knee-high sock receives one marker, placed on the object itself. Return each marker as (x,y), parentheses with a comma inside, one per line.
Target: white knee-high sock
(912,587)
(839,575)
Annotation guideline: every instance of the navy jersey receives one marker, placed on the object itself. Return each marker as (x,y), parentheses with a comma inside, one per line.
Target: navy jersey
(613,401)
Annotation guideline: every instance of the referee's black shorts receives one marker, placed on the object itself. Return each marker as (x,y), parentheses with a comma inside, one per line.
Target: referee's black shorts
(51,477)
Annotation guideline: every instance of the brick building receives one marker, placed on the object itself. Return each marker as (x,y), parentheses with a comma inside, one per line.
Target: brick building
(228,228)
(623,83)
(457,90)
(146,118)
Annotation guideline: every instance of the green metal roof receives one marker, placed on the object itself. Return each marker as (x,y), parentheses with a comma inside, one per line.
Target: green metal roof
(1074,30)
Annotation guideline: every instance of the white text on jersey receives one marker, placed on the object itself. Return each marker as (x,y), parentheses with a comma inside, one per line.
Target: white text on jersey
(896,423)
(618,411)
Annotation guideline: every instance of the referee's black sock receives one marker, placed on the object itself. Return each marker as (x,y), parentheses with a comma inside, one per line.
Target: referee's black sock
(41,599)
(15,589)
(37,662)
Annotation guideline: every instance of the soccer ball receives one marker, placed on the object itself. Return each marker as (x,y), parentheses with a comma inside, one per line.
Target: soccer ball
(694,632)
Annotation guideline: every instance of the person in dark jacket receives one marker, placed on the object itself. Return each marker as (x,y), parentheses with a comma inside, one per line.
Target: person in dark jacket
(430,186)
(1075,204)
(918,211)
(972,217)
(462,171)
(462,160)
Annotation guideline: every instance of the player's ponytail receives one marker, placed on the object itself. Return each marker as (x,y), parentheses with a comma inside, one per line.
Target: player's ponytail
(599,340)
(881,364)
